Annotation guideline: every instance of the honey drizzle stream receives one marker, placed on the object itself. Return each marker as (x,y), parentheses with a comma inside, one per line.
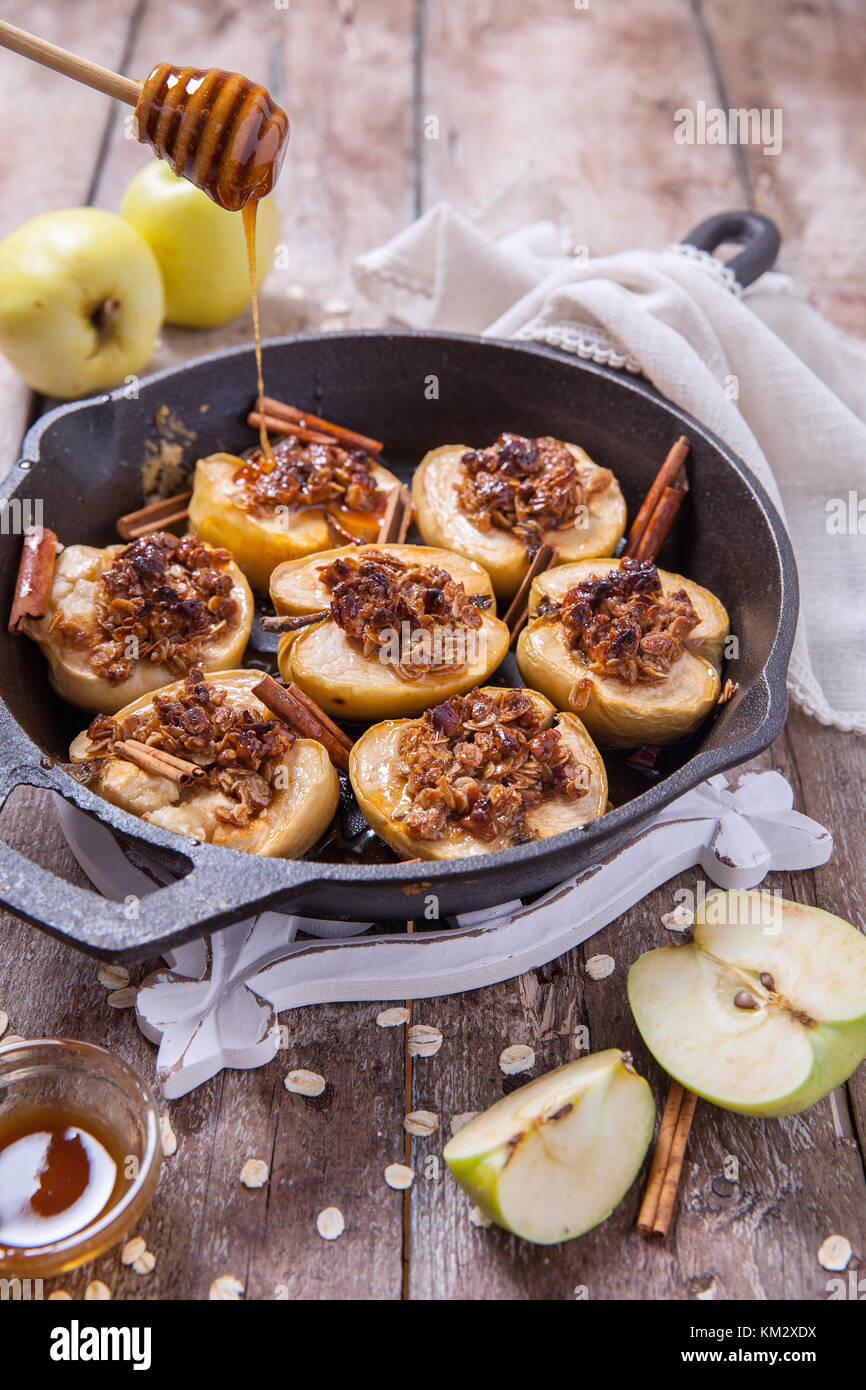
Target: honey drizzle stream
(248,213)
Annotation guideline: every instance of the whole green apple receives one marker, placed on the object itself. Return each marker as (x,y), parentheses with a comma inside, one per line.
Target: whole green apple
(554,1158)
(764,1012)
(81,301)
(201,248)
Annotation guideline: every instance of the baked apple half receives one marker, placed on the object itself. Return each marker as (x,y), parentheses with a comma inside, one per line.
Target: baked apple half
(254,784)
(390,629)
(311,497)
(499,505)
(634,650)
(483,771)
(123,621)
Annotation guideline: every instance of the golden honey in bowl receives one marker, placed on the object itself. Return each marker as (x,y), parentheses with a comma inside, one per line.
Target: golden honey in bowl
(59,1172)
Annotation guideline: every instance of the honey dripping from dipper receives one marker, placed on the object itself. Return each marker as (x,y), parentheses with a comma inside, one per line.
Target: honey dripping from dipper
(227,136)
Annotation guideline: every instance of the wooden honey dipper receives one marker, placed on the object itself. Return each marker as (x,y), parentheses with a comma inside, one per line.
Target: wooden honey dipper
(218,129)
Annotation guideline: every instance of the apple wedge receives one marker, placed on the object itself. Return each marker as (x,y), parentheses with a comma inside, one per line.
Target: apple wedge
(552,1159)
(69,638)
(442,522)
(303,787)
(379,780)
(619,714)
(348,683)
(764,1012)
(262,540)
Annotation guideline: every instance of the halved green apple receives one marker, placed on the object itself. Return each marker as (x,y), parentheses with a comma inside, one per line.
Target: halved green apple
(616,713)
(380,788)
(303,804)
(552,1159)
(764,1012)
(504,556)
(261,542)
(74,595)
(337,674)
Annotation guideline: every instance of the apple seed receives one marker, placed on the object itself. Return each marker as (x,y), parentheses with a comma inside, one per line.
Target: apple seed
(767,980)
(744,1000)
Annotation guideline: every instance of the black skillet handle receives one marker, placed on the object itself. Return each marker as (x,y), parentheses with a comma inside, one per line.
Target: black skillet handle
(213,894)
(758,236)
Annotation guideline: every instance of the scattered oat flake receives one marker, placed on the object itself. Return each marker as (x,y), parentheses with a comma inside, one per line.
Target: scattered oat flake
(835,1252)
(11,1038)
(168,1136)
(60,1294)
(255,1173)
(399,1176)
(305,1083)
(330,1223)
(227,1288)
(679,919)
(599,967)
(123,998)
(336,307)
(477,1217)
(421,1122)
(145,1263)
(516,1058)
(392,1018)
(460,1121)
(113,976)
(132,1250)
(4,1022)
(97,1292)
(424,1040)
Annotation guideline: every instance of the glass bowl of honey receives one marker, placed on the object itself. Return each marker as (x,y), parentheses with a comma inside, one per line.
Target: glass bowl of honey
(79,1153)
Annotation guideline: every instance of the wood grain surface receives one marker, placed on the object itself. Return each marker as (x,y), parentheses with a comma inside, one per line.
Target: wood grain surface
(586,94)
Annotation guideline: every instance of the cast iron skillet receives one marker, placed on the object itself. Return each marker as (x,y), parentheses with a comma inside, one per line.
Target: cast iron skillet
(84,461)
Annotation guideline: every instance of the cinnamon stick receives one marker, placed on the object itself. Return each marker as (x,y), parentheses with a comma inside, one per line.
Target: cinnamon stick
(668,1194)
(672,469)
(396,517)
(318,713)
(154,518)
(35,577)
(661,521)
(275,425)
(291,622)
(518,611)
(149,760)
(195,770)
(285,704)
(658,1167)
(351,439)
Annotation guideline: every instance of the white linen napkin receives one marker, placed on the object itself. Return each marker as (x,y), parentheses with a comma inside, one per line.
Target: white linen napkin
(778,383)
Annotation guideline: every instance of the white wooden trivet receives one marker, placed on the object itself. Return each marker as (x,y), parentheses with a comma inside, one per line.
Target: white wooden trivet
(216,1004)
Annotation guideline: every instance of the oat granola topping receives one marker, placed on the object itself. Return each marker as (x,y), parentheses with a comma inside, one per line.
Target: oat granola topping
(526,486)
(309,475)
(377,593)
(622,624)
(160,598)
(482,761)
(239,749)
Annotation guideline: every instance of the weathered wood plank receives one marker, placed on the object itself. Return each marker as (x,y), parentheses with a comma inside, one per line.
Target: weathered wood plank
(806,61)
(587,95)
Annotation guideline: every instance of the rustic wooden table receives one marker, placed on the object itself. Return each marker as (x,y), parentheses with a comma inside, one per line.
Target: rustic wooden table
(587,92)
